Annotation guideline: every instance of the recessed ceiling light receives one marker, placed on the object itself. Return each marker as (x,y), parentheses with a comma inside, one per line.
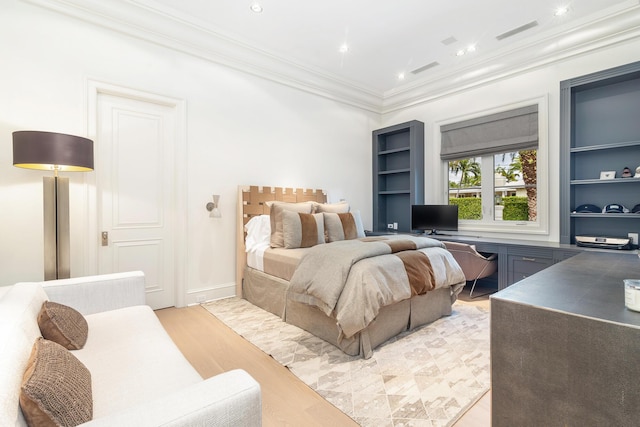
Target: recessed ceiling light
(460,52)
(561,11)
(471,48)
(344,48)
(256,7)
(400,76)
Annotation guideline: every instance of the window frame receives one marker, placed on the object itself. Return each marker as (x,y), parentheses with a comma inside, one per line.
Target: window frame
(488,223)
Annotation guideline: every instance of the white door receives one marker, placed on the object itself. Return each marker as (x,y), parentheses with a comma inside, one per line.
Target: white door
(135,189)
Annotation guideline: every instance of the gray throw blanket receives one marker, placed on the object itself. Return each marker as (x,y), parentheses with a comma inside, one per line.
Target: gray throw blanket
(322,273)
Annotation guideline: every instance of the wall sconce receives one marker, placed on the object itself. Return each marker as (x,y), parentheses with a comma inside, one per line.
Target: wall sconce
(55,152)
(213,207)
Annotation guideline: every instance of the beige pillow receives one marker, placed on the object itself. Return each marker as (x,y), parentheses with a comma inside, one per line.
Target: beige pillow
(63,324)
(302,230)
(56,387)
(340,207)
(275,216)
(343,226)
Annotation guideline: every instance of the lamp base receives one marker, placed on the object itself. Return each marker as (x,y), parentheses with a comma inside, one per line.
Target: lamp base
(57,258)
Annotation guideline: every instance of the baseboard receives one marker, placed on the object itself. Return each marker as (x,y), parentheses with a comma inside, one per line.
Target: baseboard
(198,296)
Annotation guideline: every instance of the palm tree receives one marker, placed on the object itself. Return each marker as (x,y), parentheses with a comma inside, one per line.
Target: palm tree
(526,161)
(512,172)
(529,165)
(469,170)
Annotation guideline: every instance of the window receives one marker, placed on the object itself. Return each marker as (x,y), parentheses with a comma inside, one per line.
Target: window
(492,170)
(511,188)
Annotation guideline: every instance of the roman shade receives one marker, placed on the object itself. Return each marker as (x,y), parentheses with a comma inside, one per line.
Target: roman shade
(506,131)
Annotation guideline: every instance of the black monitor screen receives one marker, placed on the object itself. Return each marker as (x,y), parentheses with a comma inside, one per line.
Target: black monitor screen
(434,218)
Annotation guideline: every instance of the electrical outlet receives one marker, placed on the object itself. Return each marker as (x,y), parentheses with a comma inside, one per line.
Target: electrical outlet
(390,226)
(200,298)
(395,225)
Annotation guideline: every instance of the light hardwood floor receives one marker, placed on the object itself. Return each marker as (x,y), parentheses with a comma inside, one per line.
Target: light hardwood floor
(211,347)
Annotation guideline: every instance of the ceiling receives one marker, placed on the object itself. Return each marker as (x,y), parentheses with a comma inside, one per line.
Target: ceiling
(385,38)
(297,43)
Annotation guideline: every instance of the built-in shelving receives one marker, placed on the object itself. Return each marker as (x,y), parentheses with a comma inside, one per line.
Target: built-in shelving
(615,181)
(605,216)
(611,146)
(398,174)
(599,132)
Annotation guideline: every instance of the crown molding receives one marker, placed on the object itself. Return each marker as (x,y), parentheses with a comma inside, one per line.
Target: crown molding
(153,25)
(618,27)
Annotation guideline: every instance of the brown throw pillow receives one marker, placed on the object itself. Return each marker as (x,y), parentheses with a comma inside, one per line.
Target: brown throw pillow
(343,226)
(276,215)
(56,387)
(340,207)
(63,325)
(302,230)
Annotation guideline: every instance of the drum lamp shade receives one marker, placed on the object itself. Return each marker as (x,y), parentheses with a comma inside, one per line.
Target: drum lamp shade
(52,151)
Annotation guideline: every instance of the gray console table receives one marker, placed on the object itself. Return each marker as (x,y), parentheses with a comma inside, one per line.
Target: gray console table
(564,349)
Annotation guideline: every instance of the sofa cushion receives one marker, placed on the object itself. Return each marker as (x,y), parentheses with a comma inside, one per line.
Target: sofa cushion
(19,309)
(132,360)
(63,325)
(56,387)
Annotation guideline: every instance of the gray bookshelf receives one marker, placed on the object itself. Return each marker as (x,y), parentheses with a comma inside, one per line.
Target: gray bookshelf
(398,174)
(599,131)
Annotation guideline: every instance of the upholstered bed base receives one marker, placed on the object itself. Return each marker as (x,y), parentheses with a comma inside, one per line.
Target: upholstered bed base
(269,293)
(266,291)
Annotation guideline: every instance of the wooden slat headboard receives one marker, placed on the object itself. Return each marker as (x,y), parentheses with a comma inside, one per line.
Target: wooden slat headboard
(252,202)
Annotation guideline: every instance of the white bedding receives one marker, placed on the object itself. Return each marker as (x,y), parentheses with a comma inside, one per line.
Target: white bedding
(257,241)
(255,257)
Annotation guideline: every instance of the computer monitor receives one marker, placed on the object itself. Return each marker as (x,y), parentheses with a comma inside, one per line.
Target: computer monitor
(432,219)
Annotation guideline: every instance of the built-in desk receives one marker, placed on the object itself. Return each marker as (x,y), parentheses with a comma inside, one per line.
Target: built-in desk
(564,349)
(517,259)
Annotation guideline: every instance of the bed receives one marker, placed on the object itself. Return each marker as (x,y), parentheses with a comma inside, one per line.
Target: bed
(325,276)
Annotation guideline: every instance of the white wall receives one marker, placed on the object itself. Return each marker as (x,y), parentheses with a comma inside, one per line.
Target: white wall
(532,84)
(241,130)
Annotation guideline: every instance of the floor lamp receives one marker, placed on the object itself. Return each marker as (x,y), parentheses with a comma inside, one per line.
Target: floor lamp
(55,152)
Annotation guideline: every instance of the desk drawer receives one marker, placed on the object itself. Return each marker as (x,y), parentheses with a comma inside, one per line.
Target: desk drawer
(524,266)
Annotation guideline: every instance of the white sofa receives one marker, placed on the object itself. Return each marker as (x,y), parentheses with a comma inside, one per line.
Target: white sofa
(138,376)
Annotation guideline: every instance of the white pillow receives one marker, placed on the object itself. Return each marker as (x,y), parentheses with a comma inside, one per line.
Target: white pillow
(258,232)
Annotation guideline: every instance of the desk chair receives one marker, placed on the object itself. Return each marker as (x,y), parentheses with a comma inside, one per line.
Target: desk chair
(474,264)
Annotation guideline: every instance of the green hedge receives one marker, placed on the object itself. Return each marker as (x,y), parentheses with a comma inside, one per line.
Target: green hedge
(468,207)
(515,209)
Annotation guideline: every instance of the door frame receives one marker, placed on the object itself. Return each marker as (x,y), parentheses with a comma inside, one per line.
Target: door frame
(95,88)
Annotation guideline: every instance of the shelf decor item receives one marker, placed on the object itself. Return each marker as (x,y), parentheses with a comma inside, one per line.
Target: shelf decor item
(607,174)
(626,172)
(637,175)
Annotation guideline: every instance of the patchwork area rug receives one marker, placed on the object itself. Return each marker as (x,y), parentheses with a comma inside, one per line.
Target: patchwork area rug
(426,377)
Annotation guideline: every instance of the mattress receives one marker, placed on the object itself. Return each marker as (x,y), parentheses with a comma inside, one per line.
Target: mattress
(278,262)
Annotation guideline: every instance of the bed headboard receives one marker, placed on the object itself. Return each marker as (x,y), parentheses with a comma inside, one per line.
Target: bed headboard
(251,202)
